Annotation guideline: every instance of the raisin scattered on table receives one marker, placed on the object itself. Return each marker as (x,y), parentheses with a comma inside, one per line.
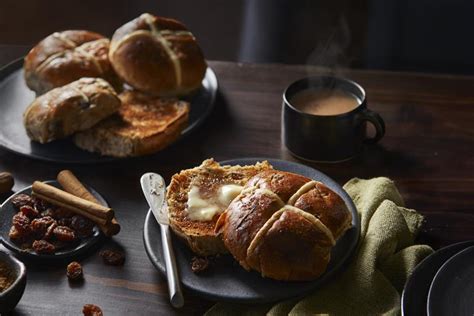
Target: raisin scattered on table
(92,310)
(74,271)
(113,257)
(29,211)
(199,264)
(43,247)
(83,226)
(21,200)
(21,223)
(64,233)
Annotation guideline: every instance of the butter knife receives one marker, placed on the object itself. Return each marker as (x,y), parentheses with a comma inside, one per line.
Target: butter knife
(153,186)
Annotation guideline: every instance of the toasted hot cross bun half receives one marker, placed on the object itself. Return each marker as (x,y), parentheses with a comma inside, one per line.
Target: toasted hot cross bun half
(157,55)
(208,178)
(143,125)
(64,57)
(284,225)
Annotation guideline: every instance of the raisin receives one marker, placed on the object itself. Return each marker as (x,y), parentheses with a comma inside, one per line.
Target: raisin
(29,211)
(21,223)
(50,231)
(199,264)
(62,213)
(82,226)
(64,222)
(64,233)
(41,225)
(92,310)
(48,213)
(40,205)
(21,200)
(43,247)
(14,234)
(113,257)
(74,271)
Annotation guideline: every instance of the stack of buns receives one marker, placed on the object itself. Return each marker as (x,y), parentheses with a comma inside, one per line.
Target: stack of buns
(280,224)
(118,97)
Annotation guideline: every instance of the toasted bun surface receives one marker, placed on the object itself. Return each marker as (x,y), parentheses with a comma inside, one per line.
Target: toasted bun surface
(143,125)
(208,177)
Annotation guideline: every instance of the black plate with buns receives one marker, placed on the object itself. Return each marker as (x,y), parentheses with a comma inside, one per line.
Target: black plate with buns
(226,280)
(16,97)
(97,98)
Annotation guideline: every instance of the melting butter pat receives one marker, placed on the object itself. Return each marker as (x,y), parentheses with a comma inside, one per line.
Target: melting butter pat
(200,209)
(229,192)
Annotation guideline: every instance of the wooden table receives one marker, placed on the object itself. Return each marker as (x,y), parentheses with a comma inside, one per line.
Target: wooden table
(427,150)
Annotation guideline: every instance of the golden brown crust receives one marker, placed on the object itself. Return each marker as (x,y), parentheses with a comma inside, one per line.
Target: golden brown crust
(244,218)
(294,246)
(209,176)
(68,109)
(284,184)
(264,231)
(158,56)
(64,57)
(143,125)
(328,207)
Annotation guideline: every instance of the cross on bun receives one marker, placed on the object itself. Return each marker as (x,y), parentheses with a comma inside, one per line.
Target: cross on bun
(284,225)
(64,57)
(157,55)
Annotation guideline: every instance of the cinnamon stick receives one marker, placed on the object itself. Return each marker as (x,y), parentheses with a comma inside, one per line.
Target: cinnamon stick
(71,202)
(95,219)
(71,184)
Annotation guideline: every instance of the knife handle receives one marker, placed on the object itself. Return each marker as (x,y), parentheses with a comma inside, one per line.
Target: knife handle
(174,286)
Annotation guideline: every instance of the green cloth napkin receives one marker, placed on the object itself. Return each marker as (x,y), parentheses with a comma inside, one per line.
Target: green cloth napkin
(373,281)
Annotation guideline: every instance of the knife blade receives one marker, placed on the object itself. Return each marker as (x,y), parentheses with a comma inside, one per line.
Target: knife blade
(153,186)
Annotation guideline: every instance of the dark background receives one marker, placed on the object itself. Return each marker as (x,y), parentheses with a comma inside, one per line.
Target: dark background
(413,35)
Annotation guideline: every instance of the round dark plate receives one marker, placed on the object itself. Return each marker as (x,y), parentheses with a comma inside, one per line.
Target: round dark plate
(7,211)
(226,280)
(415,293)
(452,289)
(16,97)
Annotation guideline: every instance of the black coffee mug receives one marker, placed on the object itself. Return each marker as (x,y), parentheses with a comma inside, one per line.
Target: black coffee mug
(328,138)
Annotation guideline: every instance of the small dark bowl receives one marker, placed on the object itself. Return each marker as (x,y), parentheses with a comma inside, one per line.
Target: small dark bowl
(12,295)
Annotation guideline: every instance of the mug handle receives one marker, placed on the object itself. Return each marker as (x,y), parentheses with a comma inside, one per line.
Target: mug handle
(377,122)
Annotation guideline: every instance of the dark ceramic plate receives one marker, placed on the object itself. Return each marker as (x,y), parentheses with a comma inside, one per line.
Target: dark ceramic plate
(16,96)
(6,213)
(415,293)
(228,281)
(452,289)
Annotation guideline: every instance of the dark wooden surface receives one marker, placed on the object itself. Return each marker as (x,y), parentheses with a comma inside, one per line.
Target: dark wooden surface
(427,150)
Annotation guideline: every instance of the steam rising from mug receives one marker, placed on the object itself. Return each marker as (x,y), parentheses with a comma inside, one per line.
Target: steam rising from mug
(331,54)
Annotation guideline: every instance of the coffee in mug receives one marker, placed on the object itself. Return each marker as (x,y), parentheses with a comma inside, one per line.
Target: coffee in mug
(324,119)
(325,101)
